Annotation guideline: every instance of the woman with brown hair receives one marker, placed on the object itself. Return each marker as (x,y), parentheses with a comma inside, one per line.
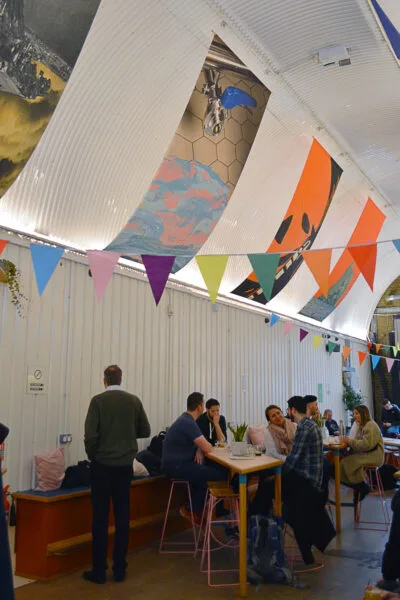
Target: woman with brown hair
(365,449)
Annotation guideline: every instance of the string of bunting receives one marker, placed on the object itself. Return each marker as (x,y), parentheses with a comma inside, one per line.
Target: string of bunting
(212,267)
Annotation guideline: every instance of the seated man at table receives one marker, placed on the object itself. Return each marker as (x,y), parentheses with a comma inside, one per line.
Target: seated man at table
(184,449)
(312,406)
(390,419)
(330,423)
(212,424)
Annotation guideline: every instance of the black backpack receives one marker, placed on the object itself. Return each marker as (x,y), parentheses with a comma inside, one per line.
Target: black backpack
(77,475)
(156,444)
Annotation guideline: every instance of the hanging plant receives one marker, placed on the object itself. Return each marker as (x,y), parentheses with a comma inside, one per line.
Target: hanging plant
(11,276)
(351,398)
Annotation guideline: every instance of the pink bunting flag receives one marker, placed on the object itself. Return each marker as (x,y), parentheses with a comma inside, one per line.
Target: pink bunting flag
(303,334)
(389,363)
(288,327)
(158,269)
(101,264)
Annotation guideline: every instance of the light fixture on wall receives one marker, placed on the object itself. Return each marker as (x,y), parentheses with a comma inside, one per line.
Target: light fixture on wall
(392,297)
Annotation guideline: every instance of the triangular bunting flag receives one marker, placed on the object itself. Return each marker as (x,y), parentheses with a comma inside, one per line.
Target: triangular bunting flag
(389,363)
(303,334)
(101,264)
(319,263)
(264,266)
(331,347)
(394,351)
(377,348)
(44,259)
(288,326)
(346,352)
(369,346)
(375,360)
(361,357)
(3,244)
(365,259)
(317,339)
(158,269)
(274,319)
(397,245)
(212,269)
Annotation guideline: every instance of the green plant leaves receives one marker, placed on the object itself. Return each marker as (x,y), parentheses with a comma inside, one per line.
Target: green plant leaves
(238,432)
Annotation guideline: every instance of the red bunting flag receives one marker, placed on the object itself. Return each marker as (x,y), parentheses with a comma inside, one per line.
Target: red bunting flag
(369,346)
(361,357)
(3,244)
(319,263)
(365,259)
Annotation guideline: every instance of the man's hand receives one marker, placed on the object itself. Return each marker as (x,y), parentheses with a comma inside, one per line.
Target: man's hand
(337,433)
(387,424)
(199,457)
(216,418)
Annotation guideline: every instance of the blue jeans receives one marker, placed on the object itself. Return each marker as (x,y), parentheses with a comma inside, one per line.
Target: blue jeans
(197,476)
(390,431)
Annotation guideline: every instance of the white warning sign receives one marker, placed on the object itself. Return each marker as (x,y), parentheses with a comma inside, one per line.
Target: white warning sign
(37,380)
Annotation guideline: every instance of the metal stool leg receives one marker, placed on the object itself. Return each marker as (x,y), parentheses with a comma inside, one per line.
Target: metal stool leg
(163,544)
(376,490)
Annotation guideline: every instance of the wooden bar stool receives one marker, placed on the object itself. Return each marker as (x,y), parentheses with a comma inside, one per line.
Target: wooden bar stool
(215,495)
(163,544)
(374,481)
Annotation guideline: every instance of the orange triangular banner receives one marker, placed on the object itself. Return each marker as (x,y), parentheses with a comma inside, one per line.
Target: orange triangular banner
(346,352)
(377,348)
(319,263)
(361,357)
(3,244)
(365,259)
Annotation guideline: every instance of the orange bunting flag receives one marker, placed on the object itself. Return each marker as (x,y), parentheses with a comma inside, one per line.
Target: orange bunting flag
(361,357)
(346,352)
(369,346)
(377,348)
(365,259)
(3,244)
(319,263)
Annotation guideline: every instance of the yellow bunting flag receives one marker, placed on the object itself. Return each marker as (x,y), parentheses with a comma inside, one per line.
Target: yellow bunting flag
(377,348)
(346,352)
(317,340)
(361,357)
(319,263)
(212,269)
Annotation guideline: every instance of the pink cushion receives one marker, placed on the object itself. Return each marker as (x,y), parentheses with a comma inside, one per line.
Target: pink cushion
(256,435)
(50,470)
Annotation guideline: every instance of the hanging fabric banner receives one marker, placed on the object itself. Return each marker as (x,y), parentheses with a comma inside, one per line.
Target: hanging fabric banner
(377,348)
(397,245)
(331,347)
(3,244)
(319,263)
(212,269)
(101,264)
(288,327)
(265,266)
(346,352)
(274,319)
(365,259)
(361,357)
(389,363)
(44,259)
(303,334)
(394,351)
(158,269)
(369,346)
(317,339)
(374,359)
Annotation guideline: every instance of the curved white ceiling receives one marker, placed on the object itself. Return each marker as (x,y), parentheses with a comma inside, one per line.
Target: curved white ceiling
(127,94)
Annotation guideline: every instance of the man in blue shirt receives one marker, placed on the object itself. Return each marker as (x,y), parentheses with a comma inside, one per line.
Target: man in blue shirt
(184,449)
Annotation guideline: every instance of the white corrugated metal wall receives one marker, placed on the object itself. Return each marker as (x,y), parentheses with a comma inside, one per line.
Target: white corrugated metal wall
(165,353)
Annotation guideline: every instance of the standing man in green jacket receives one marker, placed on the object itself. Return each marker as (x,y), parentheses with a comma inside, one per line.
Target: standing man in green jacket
(115,420)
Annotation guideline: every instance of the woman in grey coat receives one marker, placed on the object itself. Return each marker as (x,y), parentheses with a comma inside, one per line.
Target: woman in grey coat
(365,449)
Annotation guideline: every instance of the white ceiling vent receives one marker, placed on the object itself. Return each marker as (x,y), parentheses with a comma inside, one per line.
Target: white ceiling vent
(332,55)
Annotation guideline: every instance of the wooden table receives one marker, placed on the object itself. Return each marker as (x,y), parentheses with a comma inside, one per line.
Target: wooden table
(391,442)
(335,448)
(243,467)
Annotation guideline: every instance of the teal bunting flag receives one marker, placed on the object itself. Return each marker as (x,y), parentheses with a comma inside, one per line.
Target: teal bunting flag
(264,266)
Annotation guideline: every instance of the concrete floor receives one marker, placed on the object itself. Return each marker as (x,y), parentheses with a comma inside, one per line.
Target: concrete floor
(351,562)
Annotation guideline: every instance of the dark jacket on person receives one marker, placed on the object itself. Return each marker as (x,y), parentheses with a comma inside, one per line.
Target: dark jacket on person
(114,422)
(332,426)
(391,416)
(207,428)
(4,431)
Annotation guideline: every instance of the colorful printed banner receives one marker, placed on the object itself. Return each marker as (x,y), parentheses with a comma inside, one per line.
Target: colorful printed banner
(212,269)
(3,244)
(44,259)
(158,269)
(303,334)
(274,319)
(374,359)
(101,264)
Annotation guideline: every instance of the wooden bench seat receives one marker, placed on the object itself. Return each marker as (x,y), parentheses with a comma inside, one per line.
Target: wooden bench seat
(53,529)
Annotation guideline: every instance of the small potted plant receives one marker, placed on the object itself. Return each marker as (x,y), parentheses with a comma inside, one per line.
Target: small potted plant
(239,446)
(11,276)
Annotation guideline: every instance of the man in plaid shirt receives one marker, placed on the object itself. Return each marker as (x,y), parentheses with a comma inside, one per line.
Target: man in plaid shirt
(306,458)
